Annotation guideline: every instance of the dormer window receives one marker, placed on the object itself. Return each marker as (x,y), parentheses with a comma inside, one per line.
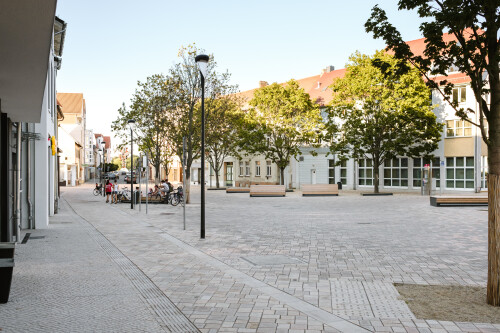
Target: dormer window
(319,85)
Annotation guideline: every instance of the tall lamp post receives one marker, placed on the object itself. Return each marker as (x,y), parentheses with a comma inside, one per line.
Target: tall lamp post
(202,61)
(131,124)
(103,168)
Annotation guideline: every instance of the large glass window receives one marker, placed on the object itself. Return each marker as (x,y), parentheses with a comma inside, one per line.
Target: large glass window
(365,172)
(484,171)
(456,128)
(343,172)
(418,170)
(460,172)
(396,172)
(331,171)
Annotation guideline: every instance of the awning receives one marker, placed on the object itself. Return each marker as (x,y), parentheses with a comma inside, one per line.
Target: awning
(25,42)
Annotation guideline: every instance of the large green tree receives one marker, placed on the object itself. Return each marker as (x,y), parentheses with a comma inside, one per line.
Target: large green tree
(281,120)
(471,44)
(379,116)
(150,108)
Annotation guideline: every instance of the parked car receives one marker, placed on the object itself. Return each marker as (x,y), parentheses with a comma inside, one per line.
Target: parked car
(128,178)
(110,175)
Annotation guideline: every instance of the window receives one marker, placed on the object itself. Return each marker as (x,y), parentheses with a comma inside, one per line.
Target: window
(456,128)
(247,168)
(365,172)
(241,168)
(418,167)
(484,171)
(268,169)
(343,172)
(459,94)
(396,172)
(257,168)
(460,172)
(331,171)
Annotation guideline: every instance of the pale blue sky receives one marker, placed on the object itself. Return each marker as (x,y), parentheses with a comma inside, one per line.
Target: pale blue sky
(111,44)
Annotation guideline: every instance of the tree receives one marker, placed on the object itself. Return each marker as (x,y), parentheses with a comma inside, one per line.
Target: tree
(380,116)
(471,44)
(223,116)
(281,120)
(186,115)
(149,108)
(110,167)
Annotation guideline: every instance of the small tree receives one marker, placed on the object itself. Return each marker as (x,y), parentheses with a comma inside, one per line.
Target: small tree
(472,46)
(281,121)
(223,115)
(379,116)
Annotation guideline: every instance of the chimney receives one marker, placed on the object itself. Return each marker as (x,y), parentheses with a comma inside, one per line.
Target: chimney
(262,84)
(330,68)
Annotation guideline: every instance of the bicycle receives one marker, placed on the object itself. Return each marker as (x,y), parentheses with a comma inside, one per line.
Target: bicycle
(124,195)
(98,190)
(177,196)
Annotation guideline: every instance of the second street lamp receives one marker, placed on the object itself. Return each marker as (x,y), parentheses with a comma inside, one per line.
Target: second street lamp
(202,61)
(131,124)
(103,168)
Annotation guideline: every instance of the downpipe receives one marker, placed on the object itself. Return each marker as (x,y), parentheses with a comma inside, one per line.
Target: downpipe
(28,187)
(18,182)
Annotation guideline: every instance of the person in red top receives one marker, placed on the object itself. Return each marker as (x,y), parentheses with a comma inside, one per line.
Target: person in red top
(109,189)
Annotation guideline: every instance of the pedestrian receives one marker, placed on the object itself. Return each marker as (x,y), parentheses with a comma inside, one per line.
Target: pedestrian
(115,192)
(109,190)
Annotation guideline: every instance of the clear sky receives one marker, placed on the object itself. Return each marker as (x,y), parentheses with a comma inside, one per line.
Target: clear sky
(112,44)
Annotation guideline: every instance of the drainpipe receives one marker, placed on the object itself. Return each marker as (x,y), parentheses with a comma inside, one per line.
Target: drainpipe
(31,225)
(18,182)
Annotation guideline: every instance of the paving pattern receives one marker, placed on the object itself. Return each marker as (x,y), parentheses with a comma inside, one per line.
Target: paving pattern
(293,264)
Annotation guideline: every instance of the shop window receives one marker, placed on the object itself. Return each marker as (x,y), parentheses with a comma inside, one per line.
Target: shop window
(460,172)
(365,172)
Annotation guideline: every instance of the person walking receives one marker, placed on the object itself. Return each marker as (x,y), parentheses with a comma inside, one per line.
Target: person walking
(115,193)
(109,190)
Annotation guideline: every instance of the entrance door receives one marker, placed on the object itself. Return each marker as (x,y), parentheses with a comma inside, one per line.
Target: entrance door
(313,176)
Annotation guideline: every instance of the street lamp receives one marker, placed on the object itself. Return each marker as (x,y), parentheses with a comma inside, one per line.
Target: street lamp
(131,124)
(103,167)
(202,61)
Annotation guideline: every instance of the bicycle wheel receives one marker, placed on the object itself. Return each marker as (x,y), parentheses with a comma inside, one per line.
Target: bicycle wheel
(96,192)
(174,200)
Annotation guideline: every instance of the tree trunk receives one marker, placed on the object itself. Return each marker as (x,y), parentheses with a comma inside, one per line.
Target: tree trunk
(376,169)
(187,190)
(217,179)
(493,290)
(282,176)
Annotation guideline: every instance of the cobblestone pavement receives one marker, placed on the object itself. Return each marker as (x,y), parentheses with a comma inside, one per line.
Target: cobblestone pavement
(294,264)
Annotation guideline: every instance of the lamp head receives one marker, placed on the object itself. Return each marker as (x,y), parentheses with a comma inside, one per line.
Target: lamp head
(131,123)
(202,61)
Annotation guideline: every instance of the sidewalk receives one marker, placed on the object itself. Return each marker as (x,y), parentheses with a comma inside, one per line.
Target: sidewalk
(267,265)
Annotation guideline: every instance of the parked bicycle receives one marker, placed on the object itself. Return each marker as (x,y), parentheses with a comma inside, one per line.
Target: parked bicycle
(124,195)
(176,196)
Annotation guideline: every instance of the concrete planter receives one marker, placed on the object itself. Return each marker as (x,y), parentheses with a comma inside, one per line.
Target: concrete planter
(7,250)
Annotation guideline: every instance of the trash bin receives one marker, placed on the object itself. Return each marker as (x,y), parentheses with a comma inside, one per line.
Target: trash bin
(6,268)
(339,184)
(137,196)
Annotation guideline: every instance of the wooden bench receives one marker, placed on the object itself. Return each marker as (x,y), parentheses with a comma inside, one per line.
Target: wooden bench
(238,190)
(267,190)
(459,201)
(320,190)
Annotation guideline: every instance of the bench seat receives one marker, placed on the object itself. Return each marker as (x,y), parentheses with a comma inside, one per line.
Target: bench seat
(320,190)
(459,201)
(267,190)
(238,190)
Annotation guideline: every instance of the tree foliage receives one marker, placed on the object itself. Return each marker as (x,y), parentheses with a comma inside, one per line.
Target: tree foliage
(281,120)
(471,44)
(379,116)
